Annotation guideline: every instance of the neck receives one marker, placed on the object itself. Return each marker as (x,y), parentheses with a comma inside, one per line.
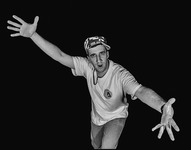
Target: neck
(101,74)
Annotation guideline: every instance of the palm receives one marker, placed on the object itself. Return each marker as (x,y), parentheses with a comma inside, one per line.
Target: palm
(25,29)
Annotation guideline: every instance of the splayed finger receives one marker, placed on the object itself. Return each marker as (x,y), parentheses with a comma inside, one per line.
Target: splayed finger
(13,23)
(18,19)
(13,28)
(170,133)
(161,132)
(156,127)
(16,34)
(175,126)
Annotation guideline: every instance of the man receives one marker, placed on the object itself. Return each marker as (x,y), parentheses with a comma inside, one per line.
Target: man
(108,84)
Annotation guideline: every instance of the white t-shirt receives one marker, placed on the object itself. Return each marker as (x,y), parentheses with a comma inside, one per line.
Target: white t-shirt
(107,93)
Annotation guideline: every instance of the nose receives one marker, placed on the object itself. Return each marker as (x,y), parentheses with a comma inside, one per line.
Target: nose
(99,59)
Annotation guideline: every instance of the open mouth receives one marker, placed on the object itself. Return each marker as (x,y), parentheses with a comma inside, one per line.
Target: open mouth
(100,65)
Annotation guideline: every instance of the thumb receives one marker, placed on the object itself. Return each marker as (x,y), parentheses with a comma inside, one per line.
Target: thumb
(169,108)
(36,19)
(171,101)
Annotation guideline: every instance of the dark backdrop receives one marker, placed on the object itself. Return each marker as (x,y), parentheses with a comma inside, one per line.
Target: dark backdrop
(46,105)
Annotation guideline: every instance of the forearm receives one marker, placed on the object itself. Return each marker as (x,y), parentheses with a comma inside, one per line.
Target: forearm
(151,98)
(50,49)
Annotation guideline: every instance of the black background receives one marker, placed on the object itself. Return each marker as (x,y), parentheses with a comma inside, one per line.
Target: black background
(45,105)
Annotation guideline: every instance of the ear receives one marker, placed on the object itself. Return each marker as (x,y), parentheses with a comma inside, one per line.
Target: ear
(88,58)
(107,52)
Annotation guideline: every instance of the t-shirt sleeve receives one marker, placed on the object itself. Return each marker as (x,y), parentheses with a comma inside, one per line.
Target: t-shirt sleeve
(129,83)
(80,66)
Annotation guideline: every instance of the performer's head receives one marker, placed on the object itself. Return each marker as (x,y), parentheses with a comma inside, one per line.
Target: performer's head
(97,52)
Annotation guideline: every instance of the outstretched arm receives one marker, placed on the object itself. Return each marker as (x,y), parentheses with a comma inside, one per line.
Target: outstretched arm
(29,30)
(149,97)
(152,99)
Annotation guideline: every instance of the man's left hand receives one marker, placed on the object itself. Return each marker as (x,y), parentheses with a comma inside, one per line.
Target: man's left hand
(167,121)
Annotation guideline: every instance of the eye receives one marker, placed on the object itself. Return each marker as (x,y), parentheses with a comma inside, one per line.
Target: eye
(92,55)
(103,53)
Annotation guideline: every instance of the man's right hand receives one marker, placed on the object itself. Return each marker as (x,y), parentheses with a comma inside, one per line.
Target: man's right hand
(25,29)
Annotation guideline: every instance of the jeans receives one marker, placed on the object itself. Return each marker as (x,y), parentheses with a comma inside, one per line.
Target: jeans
(106,136)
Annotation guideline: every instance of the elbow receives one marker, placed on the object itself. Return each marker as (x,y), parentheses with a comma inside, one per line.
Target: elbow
(56,54)
(144,94)
(140,93)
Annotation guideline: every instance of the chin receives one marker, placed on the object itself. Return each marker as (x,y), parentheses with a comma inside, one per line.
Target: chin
(100,70)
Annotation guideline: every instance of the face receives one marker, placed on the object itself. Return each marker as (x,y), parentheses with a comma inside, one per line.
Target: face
(98,56)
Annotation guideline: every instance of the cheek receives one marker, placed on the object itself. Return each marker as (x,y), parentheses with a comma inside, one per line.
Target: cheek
(93,61)
(104,58)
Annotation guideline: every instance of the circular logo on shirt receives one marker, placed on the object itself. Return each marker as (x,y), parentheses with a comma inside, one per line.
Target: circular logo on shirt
(107,94)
